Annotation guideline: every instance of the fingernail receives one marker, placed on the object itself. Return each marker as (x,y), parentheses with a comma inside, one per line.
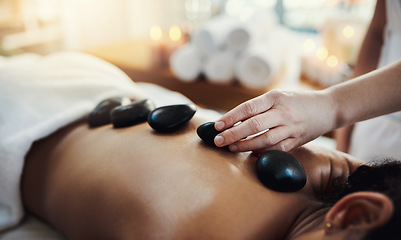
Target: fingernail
(218,140)
(233,148)
(219,125)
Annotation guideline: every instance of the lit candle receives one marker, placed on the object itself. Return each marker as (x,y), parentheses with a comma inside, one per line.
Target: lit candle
(343,37)
(175,37)
(308,47)
(156,33)
(160,50)
(309,62)
(349,42)
(322,68)
(322,53)
(348,31)
(332,61)
(319,64)
(175,33)
(331,71)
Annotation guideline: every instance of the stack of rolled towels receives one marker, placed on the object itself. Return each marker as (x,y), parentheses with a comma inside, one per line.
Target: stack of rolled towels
(226,49)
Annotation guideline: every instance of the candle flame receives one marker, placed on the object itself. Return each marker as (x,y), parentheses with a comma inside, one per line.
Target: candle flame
(156,33)
(322,53)
(332,61)
(348,31)
(175,33)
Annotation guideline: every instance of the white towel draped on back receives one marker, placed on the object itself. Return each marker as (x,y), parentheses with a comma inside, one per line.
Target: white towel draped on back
(39,95)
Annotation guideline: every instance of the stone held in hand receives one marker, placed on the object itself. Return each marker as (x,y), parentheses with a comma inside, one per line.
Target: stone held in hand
(170,118)
(101,114)
(280,171)
(207,133)
(131,114)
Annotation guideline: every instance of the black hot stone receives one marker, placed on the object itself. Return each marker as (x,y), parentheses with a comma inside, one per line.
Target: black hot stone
(207,132)
(170,118)
(280,171)
(101,114)
(134,113)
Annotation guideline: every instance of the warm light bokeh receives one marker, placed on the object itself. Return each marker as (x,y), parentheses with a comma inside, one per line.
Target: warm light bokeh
(156,33)
(348,31)
(175,33)
(322,53)
(50,25)
(332,61)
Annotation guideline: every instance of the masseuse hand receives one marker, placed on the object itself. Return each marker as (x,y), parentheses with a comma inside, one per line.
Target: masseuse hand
(291,118)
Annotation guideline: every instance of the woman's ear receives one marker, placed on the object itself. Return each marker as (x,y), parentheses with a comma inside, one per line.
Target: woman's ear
(359,211)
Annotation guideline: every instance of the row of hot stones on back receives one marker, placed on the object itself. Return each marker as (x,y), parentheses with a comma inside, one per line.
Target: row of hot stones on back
(276,170)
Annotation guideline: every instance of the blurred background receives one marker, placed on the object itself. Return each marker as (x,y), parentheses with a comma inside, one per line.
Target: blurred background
(243,42)
(50,25)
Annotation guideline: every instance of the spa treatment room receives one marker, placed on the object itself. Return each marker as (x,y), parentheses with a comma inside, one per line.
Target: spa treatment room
(200,119)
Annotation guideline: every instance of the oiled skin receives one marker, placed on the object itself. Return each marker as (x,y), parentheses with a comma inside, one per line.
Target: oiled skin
(133,183)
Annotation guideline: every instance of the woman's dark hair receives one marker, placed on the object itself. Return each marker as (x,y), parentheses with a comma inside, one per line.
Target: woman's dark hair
(383,178)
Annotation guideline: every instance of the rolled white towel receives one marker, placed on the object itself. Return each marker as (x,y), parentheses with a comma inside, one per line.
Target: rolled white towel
(219,67)
(238,39)
(262,27)
(221,32)
(185,63)
(257,67)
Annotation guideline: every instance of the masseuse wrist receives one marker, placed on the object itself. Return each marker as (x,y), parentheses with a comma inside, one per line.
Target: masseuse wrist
(329,99)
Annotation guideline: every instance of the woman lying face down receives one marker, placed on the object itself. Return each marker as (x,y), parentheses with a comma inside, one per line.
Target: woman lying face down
(134,183)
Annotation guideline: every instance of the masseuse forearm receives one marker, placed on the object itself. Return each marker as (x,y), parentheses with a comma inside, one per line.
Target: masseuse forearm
(371,95)
(370,51)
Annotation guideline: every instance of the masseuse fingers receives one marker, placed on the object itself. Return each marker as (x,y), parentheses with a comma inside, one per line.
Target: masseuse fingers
(251,126)
(267,139)
(244,111)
